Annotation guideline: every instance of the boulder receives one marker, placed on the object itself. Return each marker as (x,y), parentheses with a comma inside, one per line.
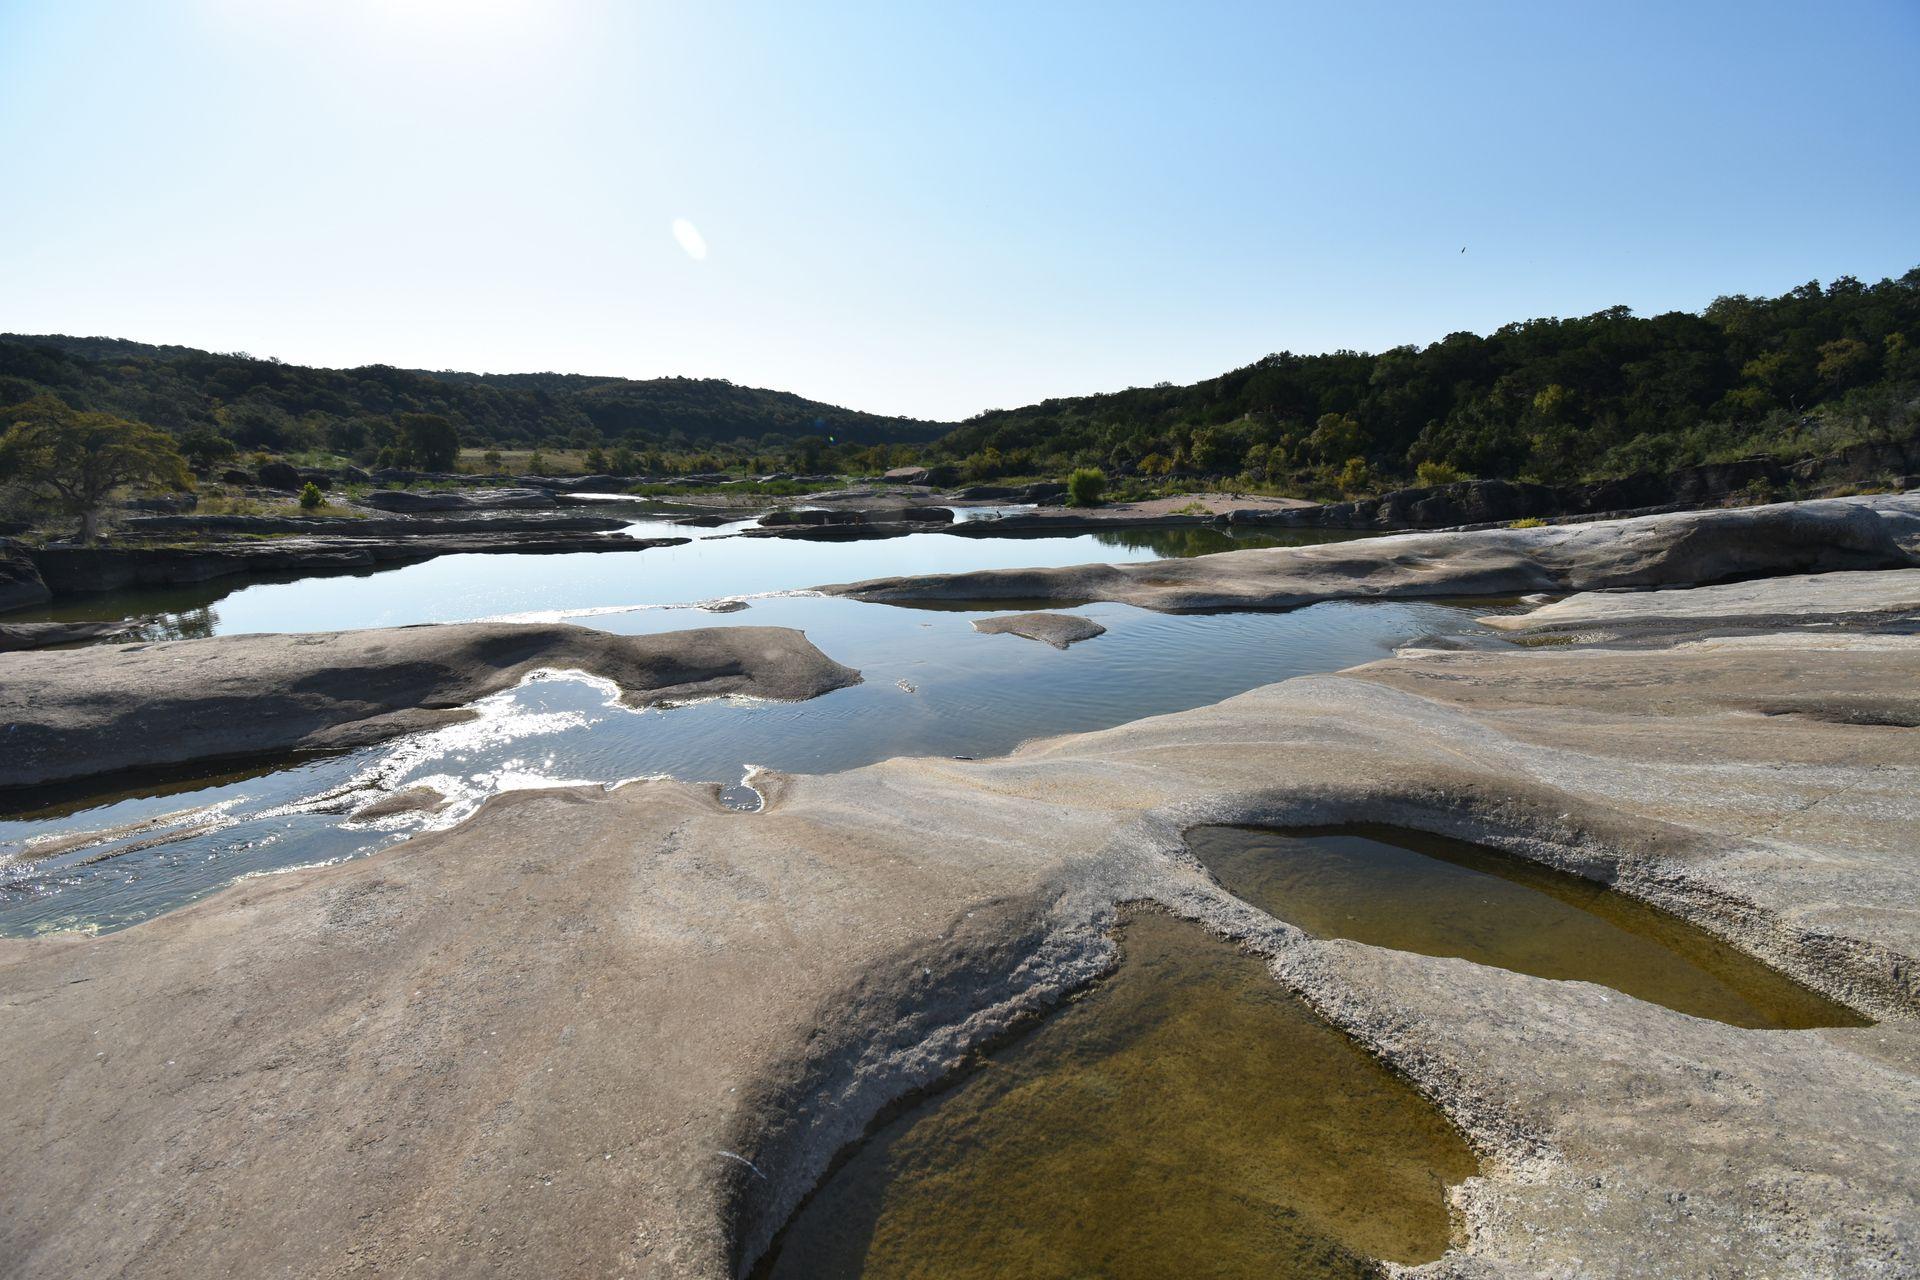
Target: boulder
(280,475)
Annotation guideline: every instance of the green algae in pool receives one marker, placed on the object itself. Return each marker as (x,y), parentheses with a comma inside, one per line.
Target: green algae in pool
(1185,1117)
(1422,893)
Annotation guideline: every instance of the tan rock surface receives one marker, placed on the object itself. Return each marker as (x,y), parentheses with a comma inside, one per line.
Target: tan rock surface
(623,1033)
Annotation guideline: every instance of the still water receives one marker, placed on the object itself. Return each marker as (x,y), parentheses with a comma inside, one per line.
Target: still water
(1416,892)
(932,686)
(1186,1117)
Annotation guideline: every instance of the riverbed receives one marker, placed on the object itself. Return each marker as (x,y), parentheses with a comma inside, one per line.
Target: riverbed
(932,686)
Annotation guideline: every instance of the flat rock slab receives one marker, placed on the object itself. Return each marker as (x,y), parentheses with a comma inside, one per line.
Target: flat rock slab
(592,1032)
(71,714)
(1650,551)
(15,636)
(1795,601)
(1056,629)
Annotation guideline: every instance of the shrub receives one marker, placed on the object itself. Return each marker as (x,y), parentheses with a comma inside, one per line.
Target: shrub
(491,460)
(1526,522)
(1085,486)
(1356,478)
(1431,474)
(310,497)
(537,464)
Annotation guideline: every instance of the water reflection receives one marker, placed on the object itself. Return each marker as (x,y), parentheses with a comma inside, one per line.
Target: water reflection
(933,686)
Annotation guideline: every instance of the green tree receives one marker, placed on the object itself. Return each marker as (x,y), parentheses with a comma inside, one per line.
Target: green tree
(204,448)
(310,496)
(596,461)
(78,459)
(537,463)
(430,440)
(490,460)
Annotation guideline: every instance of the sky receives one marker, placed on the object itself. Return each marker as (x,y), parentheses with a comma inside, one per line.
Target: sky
(929,209)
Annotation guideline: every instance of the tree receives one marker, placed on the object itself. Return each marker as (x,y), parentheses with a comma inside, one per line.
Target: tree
(430,439)
(311,497)
(78,459)
(204,448)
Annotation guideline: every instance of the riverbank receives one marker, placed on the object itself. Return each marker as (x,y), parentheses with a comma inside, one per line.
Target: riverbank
(438,1042)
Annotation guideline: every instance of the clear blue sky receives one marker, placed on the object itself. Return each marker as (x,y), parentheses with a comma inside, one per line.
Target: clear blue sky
(929,209)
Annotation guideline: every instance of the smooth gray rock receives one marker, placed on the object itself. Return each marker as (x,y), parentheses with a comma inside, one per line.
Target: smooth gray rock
(1854,600)
(1666,550)
(71,714)
(15,636)
(1056,629)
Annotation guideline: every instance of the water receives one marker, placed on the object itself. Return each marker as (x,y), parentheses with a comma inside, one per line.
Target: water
(1438,897)
(932,686)
(1187,1117)
(465,587)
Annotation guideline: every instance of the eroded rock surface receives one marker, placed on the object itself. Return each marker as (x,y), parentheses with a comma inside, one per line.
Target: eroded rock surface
(624,1032)
(1666,550)
(1056,629)
(75,713)
(1890,598)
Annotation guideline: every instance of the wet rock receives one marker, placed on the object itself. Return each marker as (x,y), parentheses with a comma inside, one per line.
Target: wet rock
(412,800)
(1056,629)
(80,712)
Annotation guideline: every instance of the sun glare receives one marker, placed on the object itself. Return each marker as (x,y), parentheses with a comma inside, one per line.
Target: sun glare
(690,239)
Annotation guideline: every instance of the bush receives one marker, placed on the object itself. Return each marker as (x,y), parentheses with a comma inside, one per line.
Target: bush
(310,497)
(1526,522)
(491,460)
(1356,478)
(1085,486)
(1431,474)
(537,464)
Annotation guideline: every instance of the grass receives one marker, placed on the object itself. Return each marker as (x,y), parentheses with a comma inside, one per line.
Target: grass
(1527,522)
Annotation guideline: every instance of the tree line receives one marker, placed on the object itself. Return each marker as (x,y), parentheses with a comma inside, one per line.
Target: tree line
(1556,400)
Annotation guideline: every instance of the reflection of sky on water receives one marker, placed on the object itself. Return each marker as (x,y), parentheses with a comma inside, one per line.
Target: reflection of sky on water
(932,685)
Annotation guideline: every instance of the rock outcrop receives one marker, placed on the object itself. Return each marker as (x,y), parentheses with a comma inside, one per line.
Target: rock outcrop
(409,500)
(1056,629)
(1889,599)
(593,1032)
(1679,549)
(74,570)
(15,636)
(73,714)
(21,586)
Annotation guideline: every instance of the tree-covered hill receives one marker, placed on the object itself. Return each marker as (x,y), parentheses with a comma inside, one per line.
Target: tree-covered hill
(265,404)
(1551,400)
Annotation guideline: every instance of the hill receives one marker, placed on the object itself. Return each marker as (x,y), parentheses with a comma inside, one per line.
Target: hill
(266,404)
(1552,400)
